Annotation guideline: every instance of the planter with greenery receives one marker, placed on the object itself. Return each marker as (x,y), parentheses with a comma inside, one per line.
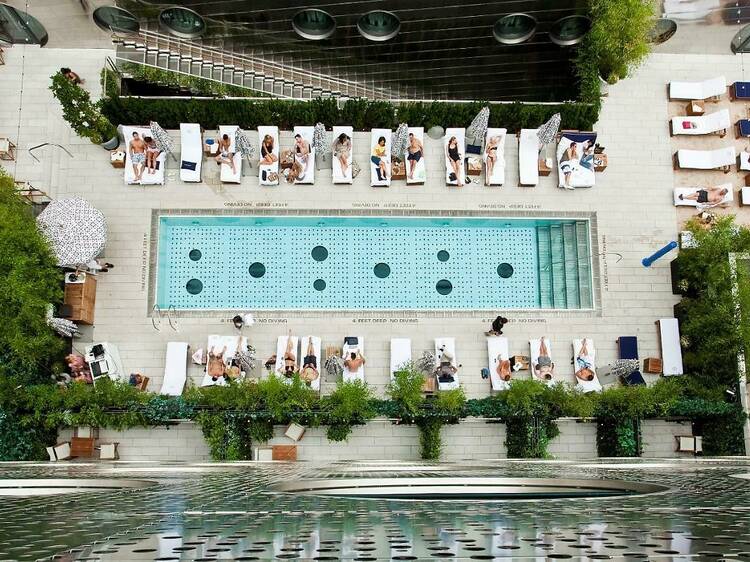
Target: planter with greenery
(83,115)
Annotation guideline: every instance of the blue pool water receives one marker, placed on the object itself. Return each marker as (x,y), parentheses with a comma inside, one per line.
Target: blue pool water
(352,263)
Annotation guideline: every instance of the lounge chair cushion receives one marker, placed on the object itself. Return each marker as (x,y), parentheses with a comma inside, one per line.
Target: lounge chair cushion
(188,165)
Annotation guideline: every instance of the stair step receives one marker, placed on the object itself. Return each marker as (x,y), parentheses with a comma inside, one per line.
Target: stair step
(558,267)
(584,265)
(545,266)
(570,249)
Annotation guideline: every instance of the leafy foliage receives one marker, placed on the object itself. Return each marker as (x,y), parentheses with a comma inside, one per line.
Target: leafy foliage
(83,115)
(430,441)
(405,390)
(350,404)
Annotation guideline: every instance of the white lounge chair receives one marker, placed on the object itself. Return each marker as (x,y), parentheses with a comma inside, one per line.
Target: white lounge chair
(691,191)
(689,10)
(227,176)
(744,160)
(449,345)
(714,123)
(579,170)
(534,353)
(420,165)
(380,154)
(671,351)
(355,344)
(590,361)
(497,352)
(338,174)
(191,152)
(400,354)
(304,344)
(268,172)
(216,344)
(497,177)
(713,88)
(281,345)
(175,369)
(306,166)
(451,177)
(157,178)
(718,159)
(528,157)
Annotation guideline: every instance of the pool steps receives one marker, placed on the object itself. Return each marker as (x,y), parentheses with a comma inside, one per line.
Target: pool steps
(564,282)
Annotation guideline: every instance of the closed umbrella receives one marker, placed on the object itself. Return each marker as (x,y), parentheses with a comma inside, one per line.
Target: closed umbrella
(161,138)
(76,231)
(66,328)
(400,141)
(321,144)
(476,132)
(242,142)
(546,133)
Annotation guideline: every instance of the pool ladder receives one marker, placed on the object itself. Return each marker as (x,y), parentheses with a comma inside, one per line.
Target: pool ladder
(157,316)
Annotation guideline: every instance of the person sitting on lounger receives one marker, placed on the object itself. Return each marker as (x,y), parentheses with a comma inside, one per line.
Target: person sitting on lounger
(490,153)
(569,156)
(290,359)
(342,149)
(587,156)
(266,151)
(225,155)
(584,365)
(378,158)
(354,361)
(152,153)
(544,365)
(414,150)
(503,368)
(309,370)
(137,149)
(301,149)
(454,158)
(216,366)
(445,371)
(710,196)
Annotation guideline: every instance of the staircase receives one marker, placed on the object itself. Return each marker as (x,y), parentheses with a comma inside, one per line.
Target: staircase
(564,265)
(268,77)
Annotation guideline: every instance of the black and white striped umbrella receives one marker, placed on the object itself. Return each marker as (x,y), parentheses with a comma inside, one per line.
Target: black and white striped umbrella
(242,141)
(161,138)
(477,130)
(546,133)
(400,141)
(76,231)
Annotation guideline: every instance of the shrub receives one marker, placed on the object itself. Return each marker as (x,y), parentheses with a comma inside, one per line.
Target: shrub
(430,442)
(350,404)
(406,391)
(83,115)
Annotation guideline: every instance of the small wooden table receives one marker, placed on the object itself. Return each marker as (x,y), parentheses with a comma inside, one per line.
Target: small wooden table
(600,162)
(695,108)
(117,158)
(544,170)
(81,297)
(7,149)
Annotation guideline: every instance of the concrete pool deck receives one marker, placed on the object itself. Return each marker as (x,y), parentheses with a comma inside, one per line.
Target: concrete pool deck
(632,202)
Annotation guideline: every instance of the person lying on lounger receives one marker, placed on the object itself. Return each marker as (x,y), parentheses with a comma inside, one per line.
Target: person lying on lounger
(445,371)
(216,366)
(710,196)
(415,151)
(454,158)
(309,370)
(378,158)
(584,365)
(225,155)
(566,163)
(290,359)
(137,149)
(301,149)
(503,368)
(587,156)
(152,153)
(544,366)
(266,151)
(354,361)
(342,149)
(490,153)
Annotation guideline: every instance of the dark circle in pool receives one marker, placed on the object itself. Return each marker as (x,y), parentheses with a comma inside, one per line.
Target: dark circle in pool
(194,286)
(443,255)
(382,270)
(257,270)
(195,255)
(319,253)
(444,287)
(505,270)
(319,285)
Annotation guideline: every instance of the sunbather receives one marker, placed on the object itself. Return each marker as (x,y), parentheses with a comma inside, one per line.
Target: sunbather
(544,366)
(309,370)
(290,359)
(445,371)
(152,153)
(266,151)
(301,149)
(566,163)
(415,151)
(137,149)
(711,196)
(378,158)
(584,366)
(587,155)
(342,149)
(454,157)
(72,76)
(225,155)
(216,366)
(490,153)
(354,361)
(503,368)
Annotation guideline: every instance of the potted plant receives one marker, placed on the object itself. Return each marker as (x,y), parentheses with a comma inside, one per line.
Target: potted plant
(83,115)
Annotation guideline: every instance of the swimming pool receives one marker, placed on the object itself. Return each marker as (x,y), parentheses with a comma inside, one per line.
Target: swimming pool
(372,263)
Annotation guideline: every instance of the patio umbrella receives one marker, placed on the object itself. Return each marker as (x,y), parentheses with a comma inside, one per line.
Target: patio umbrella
(400,141)
(76,231)
(546,133)
(161,138)
(476,132)
(62,326)
(242,141)
(320,144)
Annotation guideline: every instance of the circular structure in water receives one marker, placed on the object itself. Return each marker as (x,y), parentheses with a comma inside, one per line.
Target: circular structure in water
(27,487)
(443,255)
(514,29)
(569,30)
(257,270)
(319,285)
(182,22)
(662,31)
(313,24)
(319,253)
(444,287)
(195,255)
(194,286)
(20,28)
(112,18)
(381,270)
(505,270)
(379,25)
(468,488)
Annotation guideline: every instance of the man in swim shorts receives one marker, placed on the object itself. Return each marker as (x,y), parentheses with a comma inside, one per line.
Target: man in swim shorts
(710,196)
(415,154)
(137,149)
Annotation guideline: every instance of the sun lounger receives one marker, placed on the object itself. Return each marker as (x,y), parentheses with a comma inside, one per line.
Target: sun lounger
(528,157)
(689,10)
(400,354)
(377,179)
(217,343)
(451,177)
(498,168)
(420,166)
(353,344)
(448,345)
(745,160)
(497,352)
(711,124)
(718,159)
(712,88)
(671,351)
(692,191)
(268,170)
(338,175)
(227,176)
(534,349)
(191,152)
(157,178)
(305,167)
(281,344)
(304,344)
(175,369)
(575,167)
(590,361)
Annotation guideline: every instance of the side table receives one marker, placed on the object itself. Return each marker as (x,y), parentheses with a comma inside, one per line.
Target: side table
(117,158)
(695,108)
(600,162)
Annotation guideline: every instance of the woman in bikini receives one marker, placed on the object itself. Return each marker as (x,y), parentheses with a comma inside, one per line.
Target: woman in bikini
(152,153)
(216,366)
(342,149)
(490,154)
(454,158)
(309,370)
(225,155)
(266,151)
(290,359)
(584,365)
(544,366)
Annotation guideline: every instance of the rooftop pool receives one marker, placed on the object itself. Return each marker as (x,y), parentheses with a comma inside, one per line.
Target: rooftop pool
(372,263)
